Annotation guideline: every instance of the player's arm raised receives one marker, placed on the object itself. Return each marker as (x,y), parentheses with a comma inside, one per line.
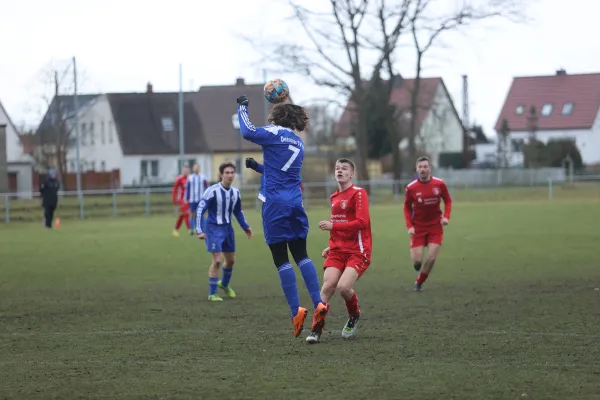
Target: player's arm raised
(361,205)
(256,135)
(447,204)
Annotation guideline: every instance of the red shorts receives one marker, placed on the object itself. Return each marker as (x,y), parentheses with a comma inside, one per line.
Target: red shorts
(183,208)
(340,260)
(425,235)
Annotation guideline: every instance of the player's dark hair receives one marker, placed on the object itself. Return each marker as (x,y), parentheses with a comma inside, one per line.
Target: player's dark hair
(346,161)
(289,116)
(228,164)
(423,158)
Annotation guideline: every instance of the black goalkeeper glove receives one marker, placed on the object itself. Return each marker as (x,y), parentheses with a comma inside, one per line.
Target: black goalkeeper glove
(251,163)
(243,100)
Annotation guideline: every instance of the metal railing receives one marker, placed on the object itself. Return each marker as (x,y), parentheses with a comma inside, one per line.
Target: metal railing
(114,203)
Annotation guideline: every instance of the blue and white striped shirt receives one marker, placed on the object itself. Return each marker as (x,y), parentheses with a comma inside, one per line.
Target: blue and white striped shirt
(221,204)
(194,188)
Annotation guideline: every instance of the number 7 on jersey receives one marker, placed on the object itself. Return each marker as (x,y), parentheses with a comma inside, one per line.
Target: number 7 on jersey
(295,151)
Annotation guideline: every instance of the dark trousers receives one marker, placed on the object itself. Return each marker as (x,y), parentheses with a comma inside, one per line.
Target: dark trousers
(48,216)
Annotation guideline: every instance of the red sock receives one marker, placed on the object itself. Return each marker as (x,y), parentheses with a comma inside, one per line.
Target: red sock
(179,221)
(352,306)
(187,221)
(422,277)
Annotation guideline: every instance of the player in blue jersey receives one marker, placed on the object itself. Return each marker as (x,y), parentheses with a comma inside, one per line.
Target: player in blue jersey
(194,189)
(285,222)
(221,201)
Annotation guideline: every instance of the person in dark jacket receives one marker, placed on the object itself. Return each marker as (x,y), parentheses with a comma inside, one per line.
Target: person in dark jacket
(49,194)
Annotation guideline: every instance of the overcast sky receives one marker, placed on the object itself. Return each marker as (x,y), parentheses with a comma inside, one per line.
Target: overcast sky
(121,45)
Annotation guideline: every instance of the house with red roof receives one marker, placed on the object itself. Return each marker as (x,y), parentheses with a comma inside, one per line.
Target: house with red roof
(439,127)
(559,106)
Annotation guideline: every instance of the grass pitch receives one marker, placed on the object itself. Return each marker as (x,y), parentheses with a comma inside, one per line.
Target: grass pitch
(117,309)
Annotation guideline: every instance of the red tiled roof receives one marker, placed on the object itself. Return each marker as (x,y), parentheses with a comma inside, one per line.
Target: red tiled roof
(583,90)
(401,97)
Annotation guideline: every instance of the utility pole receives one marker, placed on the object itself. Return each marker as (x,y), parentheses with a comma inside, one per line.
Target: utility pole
(77,133)
(181,126)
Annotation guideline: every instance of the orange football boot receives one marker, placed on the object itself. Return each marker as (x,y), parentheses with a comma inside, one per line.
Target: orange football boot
(318,322)
(298,321)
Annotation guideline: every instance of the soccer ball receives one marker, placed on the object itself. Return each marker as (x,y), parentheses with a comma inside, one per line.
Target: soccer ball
(276,91)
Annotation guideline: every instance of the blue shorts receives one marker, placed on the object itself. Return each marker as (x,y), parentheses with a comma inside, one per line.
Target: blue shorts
(284,222)
(220,238)
(193,207)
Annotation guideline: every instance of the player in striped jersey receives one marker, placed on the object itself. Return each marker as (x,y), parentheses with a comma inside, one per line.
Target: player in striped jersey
(221,200)
(194,190)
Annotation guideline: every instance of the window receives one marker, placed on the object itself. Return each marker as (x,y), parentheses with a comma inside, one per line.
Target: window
(92,165)
(72,166)
(520,110)
(102,133)
(167,124)
(110,132)
(191,162)
(83,134)
(92,134)
(149,168)
(547,109)
(567,109)
(154,168)
(103,166)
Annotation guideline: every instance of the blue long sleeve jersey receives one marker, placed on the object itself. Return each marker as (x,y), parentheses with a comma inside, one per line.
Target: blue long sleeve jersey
(283,154)
(221,204)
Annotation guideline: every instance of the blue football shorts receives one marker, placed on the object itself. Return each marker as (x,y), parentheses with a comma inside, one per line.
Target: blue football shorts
(284,222)
(220,238)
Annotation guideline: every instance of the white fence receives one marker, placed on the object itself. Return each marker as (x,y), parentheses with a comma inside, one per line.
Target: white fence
(472,187)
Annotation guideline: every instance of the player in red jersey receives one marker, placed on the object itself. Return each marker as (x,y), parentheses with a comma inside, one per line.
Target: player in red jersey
(349,253)
(179,200)
(424,219)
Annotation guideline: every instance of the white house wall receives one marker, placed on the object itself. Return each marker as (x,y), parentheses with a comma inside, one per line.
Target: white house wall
(168,168)
(100,149)
(587,141)
(14,150)
(441,131)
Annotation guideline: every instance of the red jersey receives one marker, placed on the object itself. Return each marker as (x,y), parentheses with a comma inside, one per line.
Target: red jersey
(351,231)
(179,189)
(422,202)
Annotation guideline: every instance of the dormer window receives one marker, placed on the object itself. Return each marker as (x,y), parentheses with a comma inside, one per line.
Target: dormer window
(547,109)
(520,110)
(167,124)
(567,109)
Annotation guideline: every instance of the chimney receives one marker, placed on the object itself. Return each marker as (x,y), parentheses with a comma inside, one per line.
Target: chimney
(398,81)
(239,82)
(561,72)
(149,88)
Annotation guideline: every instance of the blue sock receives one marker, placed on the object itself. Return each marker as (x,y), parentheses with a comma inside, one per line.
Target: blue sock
(226,276)
(311,280)
(212,285)
(288,284)
(192,224)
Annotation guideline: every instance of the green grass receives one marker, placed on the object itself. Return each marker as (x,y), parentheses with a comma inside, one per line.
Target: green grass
(117,309)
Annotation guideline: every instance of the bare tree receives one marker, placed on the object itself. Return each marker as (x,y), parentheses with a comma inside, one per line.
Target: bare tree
(55,135)
(428,26)
(342,47)
(356,42)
